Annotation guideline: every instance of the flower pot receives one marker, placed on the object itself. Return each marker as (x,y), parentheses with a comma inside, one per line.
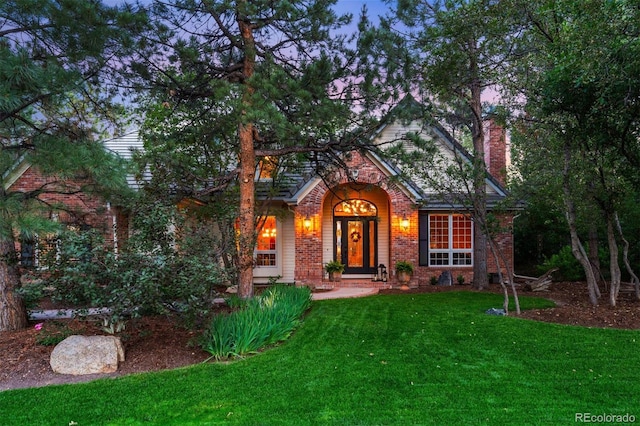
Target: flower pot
(404,277)
(335,276)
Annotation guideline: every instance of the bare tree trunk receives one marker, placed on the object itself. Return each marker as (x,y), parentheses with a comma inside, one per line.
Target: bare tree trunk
(594,257)
(13,314)
(613,256)
(576,245)
(580,254)
(625,256)
(480,276)
(499,258)
(505,291)
(247,163)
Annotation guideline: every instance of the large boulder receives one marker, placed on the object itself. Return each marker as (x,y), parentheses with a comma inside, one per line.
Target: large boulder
(87,355)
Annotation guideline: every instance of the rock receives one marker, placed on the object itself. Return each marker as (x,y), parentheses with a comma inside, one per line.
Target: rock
(232,289)
(87,355)
(445,278)
(494,311)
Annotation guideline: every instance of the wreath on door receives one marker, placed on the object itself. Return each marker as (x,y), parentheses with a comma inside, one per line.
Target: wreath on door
(355,236)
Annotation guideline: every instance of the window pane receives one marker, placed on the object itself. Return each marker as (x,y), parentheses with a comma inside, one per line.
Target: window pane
(267,236)
(338,241)
(355,245)
(462,259)
(462,235)
(437,259)
(372,244)
(266,243)
(267,167)
(266,259)
(439,231)
(355,208)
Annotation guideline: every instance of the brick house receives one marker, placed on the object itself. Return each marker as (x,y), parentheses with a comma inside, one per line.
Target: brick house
(365,218)
(368,218)
(67,204)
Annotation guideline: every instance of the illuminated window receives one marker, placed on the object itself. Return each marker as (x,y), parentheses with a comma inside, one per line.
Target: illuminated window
(355,208)
(446,240)
(266,243)
(267,168)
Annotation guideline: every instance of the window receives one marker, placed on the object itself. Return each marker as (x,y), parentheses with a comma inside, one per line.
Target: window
(266,243)
(446,240)
(27,251)
(267,168)
(38,251)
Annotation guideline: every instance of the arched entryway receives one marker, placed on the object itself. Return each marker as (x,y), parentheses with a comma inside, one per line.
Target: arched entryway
(356,228)
(355,235)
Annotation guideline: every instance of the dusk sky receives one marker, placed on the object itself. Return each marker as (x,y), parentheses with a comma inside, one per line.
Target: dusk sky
(375,7)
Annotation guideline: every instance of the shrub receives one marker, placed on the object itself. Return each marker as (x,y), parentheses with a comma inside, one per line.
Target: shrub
(404,266)
(160,272)
(569,269)
(263,321)
(334,266)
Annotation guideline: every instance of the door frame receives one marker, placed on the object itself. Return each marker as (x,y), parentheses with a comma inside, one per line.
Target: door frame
(367,222)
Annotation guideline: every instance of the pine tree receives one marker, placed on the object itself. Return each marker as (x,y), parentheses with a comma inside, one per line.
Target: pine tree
(229,84)
(52,58)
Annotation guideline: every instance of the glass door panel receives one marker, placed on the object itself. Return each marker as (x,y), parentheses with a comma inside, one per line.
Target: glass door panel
(355,244)
(372,245)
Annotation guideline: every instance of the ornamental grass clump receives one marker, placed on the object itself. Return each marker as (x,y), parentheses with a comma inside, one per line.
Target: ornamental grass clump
(264,320)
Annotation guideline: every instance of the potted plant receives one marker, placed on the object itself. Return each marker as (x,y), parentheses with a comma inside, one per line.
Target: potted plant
(335,268)
(404,271)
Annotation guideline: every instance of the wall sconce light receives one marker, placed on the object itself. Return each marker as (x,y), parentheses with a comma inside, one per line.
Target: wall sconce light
(307,223)
(404,223)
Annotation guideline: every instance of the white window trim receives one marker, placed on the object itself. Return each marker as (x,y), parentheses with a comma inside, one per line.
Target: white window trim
(450,251)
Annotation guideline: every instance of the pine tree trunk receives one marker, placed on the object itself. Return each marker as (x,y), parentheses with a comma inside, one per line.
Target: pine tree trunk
(13,315)
(247,162)
(247,213)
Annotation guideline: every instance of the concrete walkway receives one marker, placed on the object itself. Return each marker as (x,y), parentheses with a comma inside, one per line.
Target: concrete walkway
(344,293)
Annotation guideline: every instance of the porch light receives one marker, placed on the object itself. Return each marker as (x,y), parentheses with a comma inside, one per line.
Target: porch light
(404,223)
(306,223)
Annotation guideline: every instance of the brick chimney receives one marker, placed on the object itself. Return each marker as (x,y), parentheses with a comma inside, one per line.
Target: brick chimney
(495,150)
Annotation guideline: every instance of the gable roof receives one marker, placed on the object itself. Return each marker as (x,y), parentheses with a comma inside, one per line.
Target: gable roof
(19,167)
(409,115)
(293,186)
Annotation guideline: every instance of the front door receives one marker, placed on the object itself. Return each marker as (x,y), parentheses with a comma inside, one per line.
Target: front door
(356,236)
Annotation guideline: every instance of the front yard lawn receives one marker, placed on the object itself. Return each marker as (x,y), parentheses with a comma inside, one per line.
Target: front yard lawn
(389,359)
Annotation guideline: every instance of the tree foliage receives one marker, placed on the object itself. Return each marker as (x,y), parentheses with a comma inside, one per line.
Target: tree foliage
(52,104)
(173,264)
(452,51)
(227,84)
(579,80)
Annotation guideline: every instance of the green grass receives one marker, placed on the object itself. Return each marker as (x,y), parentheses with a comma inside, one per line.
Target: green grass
(398,360)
